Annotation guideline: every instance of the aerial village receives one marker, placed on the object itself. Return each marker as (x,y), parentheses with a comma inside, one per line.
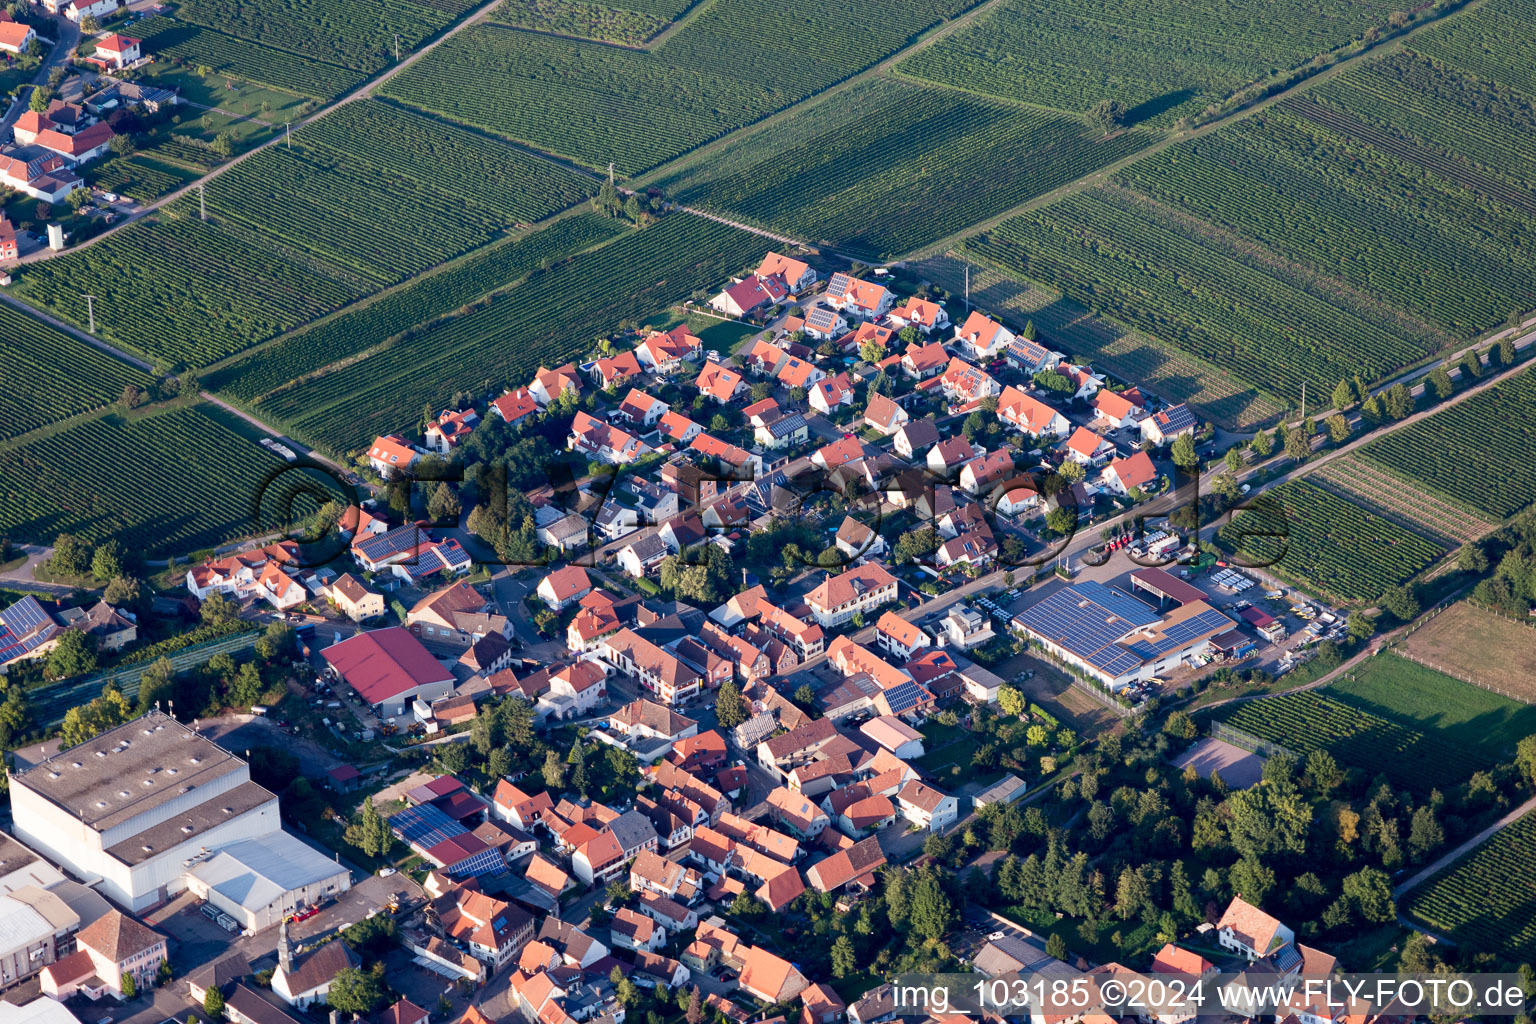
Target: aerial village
(763,657)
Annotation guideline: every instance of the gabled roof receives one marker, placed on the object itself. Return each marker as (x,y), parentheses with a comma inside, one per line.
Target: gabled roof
(919,311)
(1250,925)
(883,412)
(857,862)
(117,937)
(718,382)
(1136,471)
(384,663)
(1113,406)
(392,449)
(848,585)
(1024,411)
(979,329)
(863,294)
(1084,441)
(923,358)
(567,581)
(791,270)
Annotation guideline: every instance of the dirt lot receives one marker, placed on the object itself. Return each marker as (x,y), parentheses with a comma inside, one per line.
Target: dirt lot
(1239,768)
(1480,647)
(1053,691)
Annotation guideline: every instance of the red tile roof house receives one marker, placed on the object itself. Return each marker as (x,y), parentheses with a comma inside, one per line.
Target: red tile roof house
(982,337)
(979,476)
(1031,415)
(946,458)
(1086,448)
(451,427)
(884,416)
(664,351)
(611,371)
(15,37)
(719,383)
(796,274)
(549,384)
(107,948)
(1246,929)
(512,805)
(48,178)
(631,929)
(604,443)
(741,297)
(857,864)
(1124,475)
(389,668)
(920,361)
(641,409)
(392,454)
(564,587)
(33,129)
(860,589)
(1116,410)
(923,314)
(863,299)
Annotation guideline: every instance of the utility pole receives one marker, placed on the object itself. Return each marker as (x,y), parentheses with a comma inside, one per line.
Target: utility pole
(967,289)
(1303,400)
(397,47)
(288,138)
(202,200)
(90,313)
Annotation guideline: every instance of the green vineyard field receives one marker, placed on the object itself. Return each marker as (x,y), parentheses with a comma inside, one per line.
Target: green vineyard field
(1163,59)
(888,166)
(54,375)
(1483,901)
(1477,452)
(229,55)
(550,318)
(735,62)
(420,302)
(1308,721)
(1331,545)
(170,482)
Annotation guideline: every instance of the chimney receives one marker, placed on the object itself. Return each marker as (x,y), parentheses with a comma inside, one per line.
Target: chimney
(284,952)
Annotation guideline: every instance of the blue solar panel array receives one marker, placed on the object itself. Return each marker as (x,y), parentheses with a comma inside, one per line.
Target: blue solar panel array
(1175,418)
(23,626)
(485,862)
(392,542)
(425,826)
(903,697)
(1181,633)
(1087,619)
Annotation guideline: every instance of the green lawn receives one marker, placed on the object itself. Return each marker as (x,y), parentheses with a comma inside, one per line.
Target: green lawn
(244,98)
(1421,698)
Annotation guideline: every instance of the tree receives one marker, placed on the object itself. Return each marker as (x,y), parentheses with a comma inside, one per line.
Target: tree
(74,655)
(871,351)
(370,832)
(1338,428)
(1506,350)
(1369,890)
(1179,724)
(1343,395)
(1029,333)
(499,763)
(1011,700)
(1071,471)
(213,1002)
(1401,603)
(90,25)
(1268,818)
(1056,946)
(157,683)
(107,560)
(1398,401)
(730,708)
(1440,382)
(844,959)
(217,609)
(1297,444)
(1471,558)
(1107,115)
(1371,411)
(122,144)
(1471,366)
(1251,880)
(931,911)
(1525,760)
(224,145)
(694,1014)
(444,504)
(1132,894)
(1261,444)
(355,991)
(632,209)
(1424,833)
(1183,452)
(577,759)
(129,984)
(71,556)
(554,771)
(1322,773)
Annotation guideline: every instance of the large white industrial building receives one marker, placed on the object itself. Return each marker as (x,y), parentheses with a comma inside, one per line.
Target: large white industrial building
(137,806)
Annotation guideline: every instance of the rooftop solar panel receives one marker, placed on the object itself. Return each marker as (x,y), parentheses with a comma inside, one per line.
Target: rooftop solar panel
(425,826)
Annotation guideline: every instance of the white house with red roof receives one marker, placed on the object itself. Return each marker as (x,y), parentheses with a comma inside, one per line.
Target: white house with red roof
(514,406)
(15,37)
(1029,414)
(389,669)
(604,442)
(719,382)
(798,276)
(641,409)
(1082,377)
(564,587)
(964,384)
(895,635)
(741,297)
(830,394)
(391,454)
(451,427)
(75,10)
(867,332)
(981,337)
(1086,448)
(884,416)
(860,589)
(611,371)
(676,427)
(1115,410)
(979,476)
(920,361)
(65,129)
(925,315)
(1125,475)
(115,52)
(863,299)
(549,384)
(48,178)
(1246,929)
(665,351)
